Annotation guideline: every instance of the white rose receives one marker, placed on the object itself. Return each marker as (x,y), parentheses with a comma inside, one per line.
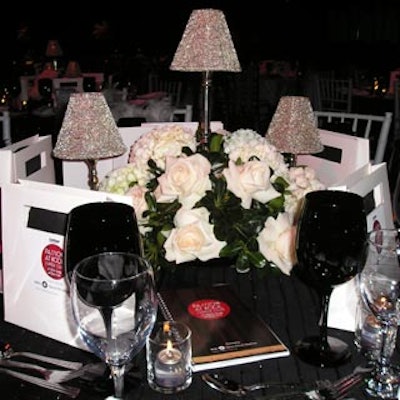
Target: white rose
(185,178)
(277,242)
(250,181)
(137,193)
(193,237)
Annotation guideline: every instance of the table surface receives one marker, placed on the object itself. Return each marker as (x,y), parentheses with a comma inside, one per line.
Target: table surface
(285,303)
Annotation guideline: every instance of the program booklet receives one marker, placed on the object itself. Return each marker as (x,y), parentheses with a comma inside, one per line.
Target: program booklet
(225,331)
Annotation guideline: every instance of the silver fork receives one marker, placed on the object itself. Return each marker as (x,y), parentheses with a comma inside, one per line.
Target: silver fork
(69,391)
(339,390)
(325,390)
(57,375)
(8,352)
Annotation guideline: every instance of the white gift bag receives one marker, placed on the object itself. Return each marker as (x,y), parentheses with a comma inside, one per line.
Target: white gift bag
(35,289)
(342,155)
(372,183)
(29,159)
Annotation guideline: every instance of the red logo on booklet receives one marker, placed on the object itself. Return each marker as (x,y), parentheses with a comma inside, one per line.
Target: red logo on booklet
(209,309)
(52,261)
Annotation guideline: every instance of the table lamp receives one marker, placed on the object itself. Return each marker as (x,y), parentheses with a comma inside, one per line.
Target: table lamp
(54,52)
(88,133)
(73,70)
(293,129)
(206,46)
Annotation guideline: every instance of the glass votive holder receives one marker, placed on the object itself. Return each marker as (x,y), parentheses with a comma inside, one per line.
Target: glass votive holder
(169,357)
(368,334)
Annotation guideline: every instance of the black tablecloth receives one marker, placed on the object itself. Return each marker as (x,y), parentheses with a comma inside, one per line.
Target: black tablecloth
(285,303)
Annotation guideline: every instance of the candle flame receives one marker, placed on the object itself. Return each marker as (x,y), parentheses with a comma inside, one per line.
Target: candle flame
(166,327)
(169,345)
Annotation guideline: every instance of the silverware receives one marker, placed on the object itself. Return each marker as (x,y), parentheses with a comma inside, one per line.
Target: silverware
(6,351)
(70,391)
(337,390)
(228,386)
(57,375)
(320,390)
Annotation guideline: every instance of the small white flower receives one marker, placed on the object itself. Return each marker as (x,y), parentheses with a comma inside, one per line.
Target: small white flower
(119,180)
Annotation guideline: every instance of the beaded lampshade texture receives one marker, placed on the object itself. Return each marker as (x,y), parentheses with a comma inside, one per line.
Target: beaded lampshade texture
(293,127)
(88,130)
(206,44)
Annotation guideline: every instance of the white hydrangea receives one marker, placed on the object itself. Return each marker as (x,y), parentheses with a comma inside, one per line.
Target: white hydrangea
(167,140)
(301,181)
(244,144)
(119,180)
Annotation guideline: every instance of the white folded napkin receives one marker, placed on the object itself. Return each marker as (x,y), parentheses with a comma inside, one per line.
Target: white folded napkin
(343,306)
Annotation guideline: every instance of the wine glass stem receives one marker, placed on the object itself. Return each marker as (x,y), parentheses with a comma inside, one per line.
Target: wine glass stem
(117,373)
(384,356)
(323,322)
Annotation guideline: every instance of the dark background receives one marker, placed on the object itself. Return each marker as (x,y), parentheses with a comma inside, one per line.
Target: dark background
(314,34)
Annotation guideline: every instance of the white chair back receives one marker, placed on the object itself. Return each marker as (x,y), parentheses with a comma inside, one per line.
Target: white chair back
(173,88)
(335,94)
(373,127)
(5,120)
(185,114)
(63,83)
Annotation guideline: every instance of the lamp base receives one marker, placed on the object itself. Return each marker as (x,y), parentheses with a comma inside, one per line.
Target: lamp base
(203,132)
(93,180)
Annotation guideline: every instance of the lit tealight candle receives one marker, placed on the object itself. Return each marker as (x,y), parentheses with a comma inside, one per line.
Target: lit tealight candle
(169,367)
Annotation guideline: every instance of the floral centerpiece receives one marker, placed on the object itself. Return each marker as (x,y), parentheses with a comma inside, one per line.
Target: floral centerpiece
(237,199)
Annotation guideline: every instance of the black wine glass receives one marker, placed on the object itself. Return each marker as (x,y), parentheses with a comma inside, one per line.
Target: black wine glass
(331,248)
(97,227)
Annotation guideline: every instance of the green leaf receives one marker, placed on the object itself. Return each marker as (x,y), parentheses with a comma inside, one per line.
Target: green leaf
(216,143)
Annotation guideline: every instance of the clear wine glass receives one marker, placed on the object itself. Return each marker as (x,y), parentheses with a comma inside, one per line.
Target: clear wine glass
(383,248)
(380,291)
(331,248)
(114,304)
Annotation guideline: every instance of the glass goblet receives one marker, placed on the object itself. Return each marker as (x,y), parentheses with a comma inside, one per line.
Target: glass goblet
(380,291)
(331,248)
(383,248)
(114,304)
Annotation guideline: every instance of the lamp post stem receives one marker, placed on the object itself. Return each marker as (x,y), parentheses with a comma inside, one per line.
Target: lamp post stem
(205,130)
(93,180)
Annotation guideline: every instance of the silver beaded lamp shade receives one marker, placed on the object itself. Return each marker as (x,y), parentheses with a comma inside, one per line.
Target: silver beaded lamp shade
(206,46)
(88,132)
(293,127)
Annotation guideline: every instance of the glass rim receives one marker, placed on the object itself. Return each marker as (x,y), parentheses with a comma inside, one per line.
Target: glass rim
(148,268)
